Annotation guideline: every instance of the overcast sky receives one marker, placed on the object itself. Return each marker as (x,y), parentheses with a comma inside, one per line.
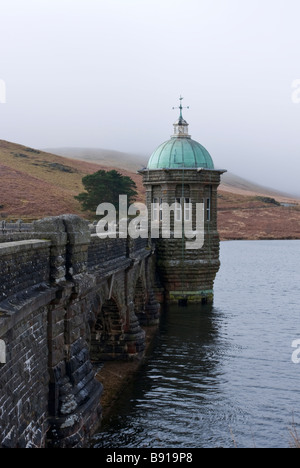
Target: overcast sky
(106,73)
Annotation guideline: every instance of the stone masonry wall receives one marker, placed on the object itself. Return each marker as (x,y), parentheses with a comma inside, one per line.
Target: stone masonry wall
(22,265)
(66,297)
(187,274)
(24,292)
(24,383)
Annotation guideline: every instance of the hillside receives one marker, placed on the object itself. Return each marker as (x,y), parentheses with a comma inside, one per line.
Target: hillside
(132,163)
(242,213)
(257,217)
(249,211)
(103,157)
(35,184)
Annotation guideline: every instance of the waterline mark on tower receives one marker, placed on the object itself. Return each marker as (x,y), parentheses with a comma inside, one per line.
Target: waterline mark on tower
(2,92)
(181,220)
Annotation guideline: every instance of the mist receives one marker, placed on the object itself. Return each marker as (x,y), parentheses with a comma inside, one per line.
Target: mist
(106,74)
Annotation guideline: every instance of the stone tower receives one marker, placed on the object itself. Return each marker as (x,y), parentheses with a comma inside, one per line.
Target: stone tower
(181,173)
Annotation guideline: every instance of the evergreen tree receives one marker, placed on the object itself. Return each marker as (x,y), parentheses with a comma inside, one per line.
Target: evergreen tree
(105,187)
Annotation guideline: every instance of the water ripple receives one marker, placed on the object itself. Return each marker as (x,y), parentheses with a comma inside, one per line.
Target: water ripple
(226,370)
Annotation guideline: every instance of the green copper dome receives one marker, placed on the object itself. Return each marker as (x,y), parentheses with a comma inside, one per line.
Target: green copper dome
(181,151)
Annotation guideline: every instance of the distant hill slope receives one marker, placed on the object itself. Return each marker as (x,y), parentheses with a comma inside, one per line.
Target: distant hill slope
(103,157)
(35,184)
(236,184)
(250,211)
(242,212)
(132,163)
(257,217)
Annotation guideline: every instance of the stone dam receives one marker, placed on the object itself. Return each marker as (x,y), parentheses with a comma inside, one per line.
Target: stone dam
(67,300)
(70,300)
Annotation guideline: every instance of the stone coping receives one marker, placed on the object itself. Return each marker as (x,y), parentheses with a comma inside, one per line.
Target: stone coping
(10,248)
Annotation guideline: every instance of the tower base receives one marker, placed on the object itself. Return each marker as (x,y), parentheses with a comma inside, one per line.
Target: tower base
(192,297)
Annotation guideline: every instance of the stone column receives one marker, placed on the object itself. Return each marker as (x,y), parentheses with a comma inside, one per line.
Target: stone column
(53,229)
(134,335)
(74,394)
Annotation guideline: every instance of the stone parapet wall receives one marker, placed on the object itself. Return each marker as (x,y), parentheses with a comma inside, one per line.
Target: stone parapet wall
(102,252)
(66,299)
(23,265)
(24,382)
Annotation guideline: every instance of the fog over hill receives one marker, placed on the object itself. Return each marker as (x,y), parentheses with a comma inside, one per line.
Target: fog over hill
(133,162)
(103,157)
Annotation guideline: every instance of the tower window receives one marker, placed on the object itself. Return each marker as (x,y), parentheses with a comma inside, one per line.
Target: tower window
(160,210)
(208,209)
(155,209)
(183,205)
(178,210)
(188,209)
(157,214)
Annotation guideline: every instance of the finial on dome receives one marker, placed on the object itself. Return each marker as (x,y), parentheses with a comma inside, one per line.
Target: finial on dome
(181,126)
(181,107)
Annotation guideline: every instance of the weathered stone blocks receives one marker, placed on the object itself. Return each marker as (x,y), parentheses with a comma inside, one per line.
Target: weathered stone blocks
(65,297)
(186,274)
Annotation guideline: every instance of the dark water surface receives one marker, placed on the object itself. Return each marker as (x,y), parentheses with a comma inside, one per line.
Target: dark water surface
(222,372)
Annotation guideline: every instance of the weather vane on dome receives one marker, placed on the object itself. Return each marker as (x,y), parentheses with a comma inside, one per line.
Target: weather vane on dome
(181,107)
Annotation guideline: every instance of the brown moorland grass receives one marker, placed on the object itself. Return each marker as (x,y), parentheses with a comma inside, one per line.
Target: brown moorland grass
(35,184)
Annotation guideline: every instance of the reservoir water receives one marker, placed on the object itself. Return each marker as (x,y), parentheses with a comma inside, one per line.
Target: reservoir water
(223,372)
